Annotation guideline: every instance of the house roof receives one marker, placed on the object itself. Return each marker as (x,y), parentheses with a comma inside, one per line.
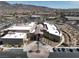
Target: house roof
(72,18)
(52,29)
(22,27)
(15,35)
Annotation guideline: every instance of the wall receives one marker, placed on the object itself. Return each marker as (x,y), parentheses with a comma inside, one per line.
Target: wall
(12,41)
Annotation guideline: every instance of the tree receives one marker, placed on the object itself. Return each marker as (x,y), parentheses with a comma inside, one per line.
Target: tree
(14,14)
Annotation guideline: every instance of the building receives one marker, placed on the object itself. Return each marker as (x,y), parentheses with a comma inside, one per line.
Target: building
(17,33)
(73,20)
(52,32)
(13,38)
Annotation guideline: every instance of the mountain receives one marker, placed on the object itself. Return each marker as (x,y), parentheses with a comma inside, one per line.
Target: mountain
(6,7)
(3,3)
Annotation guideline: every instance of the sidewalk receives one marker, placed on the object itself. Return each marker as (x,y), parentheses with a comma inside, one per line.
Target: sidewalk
(44,50)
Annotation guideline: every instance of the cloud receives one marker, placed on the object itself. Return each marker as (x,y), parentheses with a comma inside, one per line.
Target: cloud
(74,2)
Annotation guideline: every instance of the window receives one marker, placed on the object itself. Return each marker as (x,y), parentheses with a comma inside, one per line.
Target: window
(58,49)
(54,49)
(77,49)
(63,49)
(71,50)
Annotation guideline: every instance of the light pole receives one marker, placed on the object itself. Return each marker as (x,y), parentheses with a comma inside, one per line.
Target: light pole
(38,30)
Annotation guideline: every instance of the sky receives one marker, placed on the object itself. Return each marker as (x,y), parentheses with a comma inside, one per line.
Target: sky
(51,4)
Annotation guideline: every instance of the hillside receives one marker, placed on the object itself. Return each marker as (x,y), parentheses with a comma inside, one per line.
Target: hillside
(7,8)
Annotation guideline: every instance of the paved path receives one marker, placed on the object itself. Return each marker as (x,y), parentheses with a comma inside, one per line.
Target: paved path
(73,35)
(44,50)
